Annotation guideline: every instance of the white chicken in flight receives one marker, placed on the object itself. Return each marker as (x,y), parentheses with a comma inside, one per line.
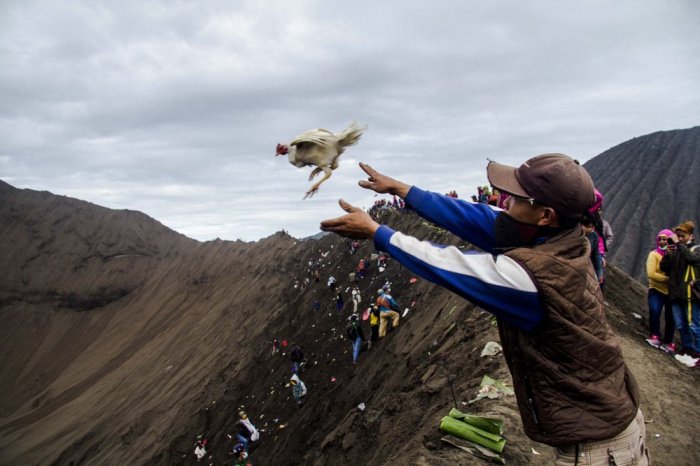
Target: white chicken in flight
(321,148)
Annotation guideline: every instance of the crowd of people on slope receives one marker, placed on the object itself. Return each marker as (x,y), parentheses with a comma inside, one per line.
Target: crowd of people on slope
(246,436)
(382,314)
(393,203)
(673,272)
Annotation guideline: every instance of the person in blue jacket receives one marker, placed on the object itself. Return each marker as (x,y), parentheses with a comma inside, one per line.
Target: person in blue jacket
(573,388)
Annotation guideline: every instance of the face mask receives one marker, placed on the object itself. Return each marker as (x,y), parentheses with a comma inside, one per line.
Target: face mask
(663,248)
(511,233)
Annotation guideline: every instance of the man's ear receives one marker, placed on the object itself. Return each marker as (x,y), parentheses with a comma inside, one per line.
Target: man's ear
(547,217)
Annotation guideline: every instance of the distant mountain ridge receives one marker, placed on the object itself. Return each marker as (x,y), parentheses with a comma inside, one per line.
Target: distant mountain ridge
(650,183)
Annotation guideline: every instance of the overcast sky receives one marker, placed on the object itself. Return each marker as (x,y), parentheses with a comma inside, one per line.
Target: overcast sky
(174,108)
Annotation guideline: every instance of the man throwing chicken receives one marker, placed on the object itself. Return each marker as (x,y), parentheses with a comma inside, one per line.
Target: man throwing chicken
(573,389)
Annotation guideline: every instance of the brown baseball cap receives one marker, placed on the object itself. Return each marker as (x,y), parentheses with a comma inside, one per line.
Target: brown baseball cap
(554,180)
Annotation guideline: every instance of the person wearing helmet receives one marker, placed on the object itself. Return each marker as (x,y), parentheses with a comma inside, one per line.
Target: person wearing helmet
(573,388)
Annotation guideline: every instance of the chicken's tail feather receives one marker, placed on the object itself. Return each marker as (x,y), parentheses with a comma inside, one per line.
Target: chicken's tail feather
(351,135)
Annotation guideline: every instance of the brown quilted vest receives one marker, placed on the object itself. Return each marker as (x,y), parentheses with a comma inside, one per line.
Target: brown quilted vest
(570,380)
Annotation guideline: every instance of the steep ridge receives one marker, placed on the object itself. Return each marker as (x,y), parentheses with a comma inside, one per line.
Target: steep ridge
(134,380)
(649,183)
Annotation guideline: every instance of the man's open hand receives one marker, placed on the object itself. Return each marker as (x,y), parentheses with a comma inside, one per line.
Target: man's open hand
(357,224)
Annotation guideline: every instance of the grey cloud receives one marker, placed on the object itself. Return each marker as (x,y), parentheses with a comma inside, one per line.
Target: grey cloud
(174,108)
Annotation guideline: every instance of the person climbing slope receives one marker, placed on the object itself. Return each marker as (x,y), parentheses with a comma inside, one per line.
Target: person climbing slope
(200,449)
(374,316)
(356,298)
(240,456)
(355,335)
(246,431)
(387,310)
(296,355)
(298,389)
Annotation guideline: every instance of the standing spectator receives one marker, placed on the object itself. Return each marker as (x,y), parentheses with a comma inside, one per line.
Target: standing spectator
(387,310)
(596,258)
(246,431)
(605,234)
(484,195)
(573,388)
(608,235)
(356,336)
(356,298)
(493,198)
(331,282)
(658,297)
(275,346)
(298,389)
(682,265)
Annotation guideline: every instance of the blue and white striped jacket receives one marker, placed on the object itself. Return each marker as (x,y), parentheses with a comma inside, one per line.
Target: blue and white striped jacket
(496,283)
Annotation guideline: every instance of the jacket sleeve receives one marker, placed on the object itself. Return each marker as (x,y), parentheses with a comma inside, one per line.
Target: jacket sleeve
(690,255)
(608,233)
(653,270)
(496,283)
(471,222)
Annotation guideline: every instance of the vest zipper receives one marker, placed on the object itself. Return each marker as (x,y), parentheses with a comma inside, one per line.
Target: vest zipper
(531,403)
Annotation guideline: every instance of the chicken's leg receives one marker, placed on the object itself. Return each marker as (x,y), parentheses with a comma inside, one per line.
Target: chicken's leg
(328,172)
(315,172)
